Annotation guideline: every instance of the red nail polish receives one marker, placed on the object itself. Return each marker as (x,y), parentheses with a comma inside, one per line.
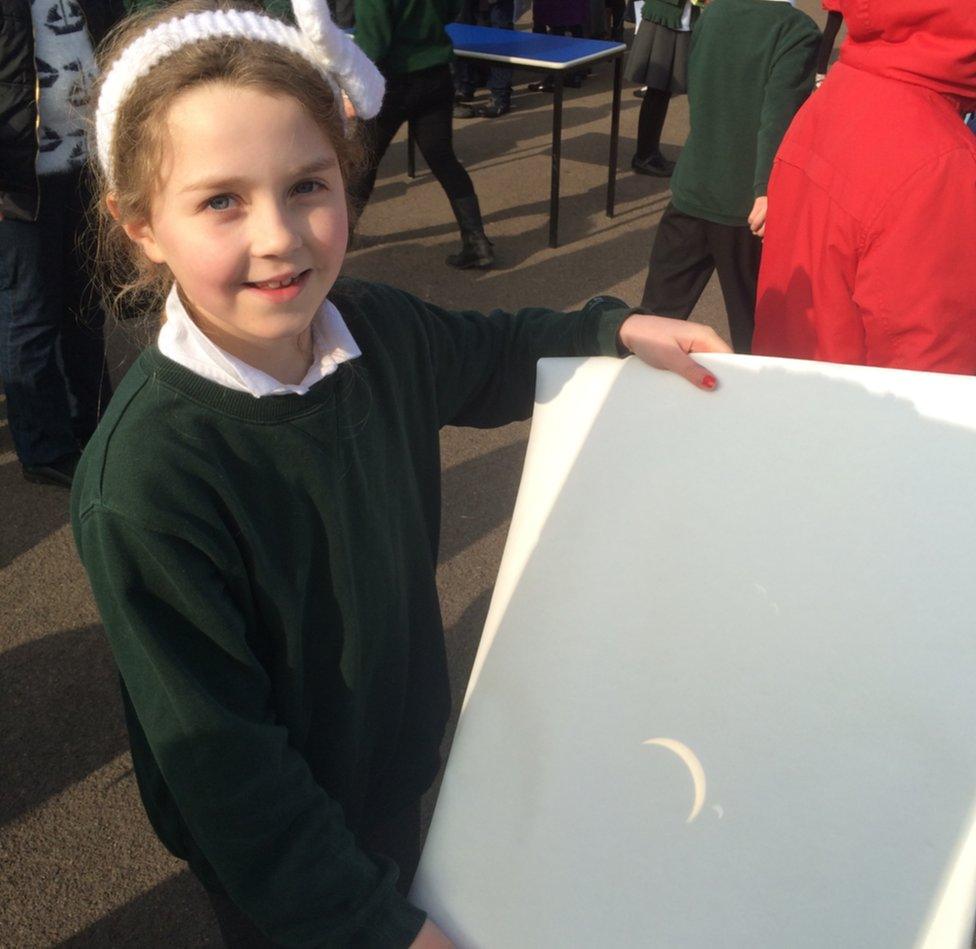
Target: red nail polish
(709,382)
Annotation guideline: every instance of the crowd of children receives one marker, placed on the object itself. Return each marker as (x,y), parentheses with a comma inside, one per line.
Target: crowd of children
(857,243)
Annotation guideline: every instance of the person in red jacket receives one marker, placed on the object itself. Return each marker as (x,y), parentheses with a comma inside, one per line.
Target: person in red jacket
(870,247)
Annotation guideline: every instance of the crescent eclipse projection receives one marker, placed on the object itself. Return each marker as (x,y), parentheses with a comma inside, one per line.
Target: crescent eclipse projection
(694,767)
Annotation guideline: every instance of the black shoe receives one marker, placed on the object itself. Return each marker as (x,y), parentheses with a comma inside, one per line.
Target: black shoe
(640,93)
(461,96)
(656,165)
(462,111)
(491,110)
(59,472)
(477,252)
(542,85)
(476,249)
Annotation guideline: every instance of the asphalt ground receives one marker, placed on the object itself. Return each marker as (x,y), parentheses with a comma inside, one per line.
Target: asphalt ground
(79,864)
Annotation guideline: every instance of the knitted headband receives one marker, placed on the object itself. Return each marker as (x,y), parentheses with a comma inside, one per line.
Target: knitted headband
(334,54)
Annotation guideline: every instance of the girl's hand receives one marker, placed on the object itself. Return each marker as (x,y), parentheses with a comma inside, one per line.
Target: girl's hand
(665,344)
(430,937)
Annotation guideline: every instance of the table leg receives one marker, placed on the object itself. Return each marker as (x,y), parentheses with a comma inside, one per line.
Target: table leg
(557,139)
(614,135)
(411,152)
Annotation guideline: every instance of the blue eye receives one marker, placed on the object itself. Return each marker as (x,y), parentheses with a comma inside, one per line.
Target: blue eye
(220,202)
(307,187)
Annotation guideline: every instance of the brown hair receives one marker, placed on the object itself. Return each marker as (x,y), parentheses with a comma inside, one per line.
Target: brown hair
(128,280)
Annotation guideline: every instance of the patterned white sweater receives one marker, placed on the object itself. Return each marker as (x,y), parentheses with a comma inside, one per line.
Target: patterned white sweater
(65,73)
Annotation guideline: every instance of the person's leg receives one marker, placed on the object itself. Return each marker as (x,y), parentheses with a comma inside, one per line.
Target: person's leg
(545,84)
(377,135)
(737,253)
(429,112)
(650,124)
(679,268)
(429,109)
(31,315)
(575,79)
(467,73)
(82,332)
(615,11)
(501,16)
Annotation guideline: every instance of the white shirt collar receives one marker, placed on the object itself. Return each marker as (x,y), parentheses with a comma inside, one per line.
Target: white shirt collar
(181,340)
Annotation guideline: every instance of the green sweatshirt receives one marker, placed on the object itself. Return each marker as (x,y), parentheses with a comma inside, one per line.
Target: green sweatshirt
(265,572)
(751,68)
(405,36)
(667,12)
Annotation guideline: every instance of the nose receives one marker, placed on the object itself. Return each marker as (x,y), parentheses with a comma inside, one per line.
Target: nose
(273,231)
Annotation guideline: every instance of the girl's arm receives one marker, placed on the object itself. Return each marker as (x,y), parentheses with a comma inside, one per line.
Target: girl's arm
(481,369)
(226,782)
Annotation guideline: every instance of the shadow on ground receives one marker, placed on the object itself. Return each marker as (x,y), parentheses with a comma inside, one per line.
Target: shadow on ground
(480,495)
(137,923)
(62,716)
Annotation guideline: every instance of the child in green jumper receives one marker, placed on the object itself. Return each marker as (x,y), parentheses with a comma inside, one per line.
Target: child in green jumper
(751,67)
(258,513)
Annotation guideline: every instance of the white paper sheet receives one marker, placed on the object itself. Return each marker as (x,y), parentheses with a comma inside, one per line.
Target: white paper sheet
(725,692)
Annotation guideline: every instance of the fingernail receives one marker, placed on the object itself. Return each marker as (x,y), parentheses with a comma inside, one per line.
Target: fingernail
(709,382)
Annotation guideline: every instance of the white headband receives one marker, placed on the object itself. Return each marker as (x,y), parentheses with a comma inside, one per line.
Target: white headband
(334,54)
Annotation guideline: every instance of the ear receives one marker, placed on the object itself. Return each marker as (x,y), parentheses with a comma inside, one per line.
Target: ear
(139,232)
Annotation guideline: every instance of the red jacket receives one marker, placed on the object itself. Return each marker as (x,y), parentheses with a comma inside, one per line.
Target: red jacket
(870,248)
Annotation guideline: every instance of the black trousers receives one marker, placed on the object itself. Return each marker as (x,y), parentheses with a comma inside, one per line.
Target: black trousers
(686,251)
(470,75)
(425,99)
(398,838)
(52,351)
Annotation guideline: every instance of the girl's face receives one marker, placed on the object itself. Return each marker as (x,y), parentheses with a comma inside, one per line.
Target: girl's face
(251,216)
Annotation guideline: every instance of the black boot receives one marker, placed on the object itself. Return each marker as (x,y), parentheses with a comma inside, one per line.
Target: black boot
(476,249)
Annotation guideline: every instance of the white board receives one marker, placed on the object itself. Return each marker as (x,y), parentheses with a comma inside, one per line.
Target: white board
(779,577)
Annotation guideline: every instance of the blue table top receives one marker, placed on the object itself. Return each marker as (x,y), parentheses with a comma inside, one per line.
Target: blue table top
(522,48)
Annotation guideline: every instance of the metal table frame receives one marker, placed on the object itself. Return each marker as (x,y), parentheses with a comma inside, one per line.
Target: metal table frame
(477,42)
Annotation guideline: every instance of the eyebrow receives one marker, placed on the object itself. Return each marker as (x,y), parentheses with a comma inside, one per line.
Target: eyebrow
(324,163)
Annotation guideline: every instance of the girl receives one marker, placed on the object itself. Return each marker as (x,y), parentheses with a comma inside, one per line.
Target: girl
(658,60)
(258,512)
(410,45)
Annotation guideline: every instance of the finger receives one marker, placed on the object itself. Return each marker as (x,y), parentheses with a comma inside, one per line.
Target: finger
(704,339)
(678,361)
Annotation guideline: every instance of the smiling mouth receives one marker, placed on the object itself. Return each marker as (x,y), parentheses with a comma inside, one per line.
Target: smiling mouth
(276,284)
